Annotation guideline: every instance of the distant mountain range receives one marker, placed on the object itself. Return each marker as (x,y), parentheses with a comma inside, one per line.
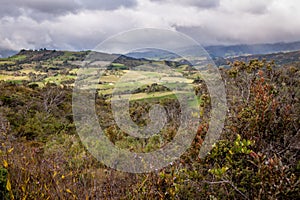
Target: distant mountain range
(238,50)
(214,51)
(282,53)
(218,51)
(281,58)
(151,54)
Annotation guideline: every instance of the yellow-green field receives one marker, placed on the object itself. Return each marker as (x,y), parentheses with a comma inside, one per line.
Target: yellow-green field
(13,78)
(7,62)
(111,80)
(59,78)
(132,80)
(154,95)
(30,70)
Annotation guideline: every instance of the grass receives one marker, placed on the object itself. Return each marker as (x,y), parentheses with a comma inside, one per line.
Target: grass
(59,78)
(106,86)
(149,96)
(117,65)
(73,71)
(139,79)
(13,78)
(106,92)
(154,95)
(31,70)
(17,58)
(6,62)
(109,78)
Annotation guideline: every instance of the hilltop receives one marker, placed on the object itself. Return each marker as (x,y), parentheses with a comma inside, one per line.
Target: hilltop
(280,59)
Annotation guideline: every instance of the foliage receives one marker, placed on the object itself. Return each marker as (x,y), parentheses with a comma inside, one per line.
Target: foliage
(257,156)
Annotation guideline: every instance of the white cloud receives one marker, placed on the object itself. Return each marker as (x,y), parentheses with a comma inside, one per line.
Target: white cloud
(83,25)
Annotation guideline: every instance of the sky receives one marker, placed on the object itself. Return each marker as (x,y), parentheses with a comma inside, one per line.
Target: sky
(83,24)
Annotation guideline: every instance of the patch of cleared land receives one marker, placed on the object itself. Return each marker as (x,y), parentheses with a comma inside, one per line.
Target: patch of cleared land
(13,78)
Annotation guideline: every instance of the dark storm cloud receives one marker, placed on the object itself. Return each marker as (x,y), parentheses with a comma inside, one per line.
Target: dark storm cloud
(18,7)
(58,7)
(51,7)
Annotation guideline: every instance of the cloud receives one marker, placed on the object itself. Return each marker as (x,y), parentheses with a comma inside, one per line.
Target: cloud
(82,24)
(52,8)
(249,21)
(247,6)
(107,5)
(196,3)
(82,30)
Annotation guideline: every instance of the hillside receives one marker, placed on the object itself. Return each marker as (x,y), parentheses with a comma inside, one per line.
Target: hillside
(43,157)
(51,66)
(256,49)
(257,156)
(281,58)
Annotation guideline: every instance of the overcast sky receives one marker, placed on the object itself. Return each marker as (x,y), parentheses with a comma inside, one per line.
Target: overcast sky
(82,24)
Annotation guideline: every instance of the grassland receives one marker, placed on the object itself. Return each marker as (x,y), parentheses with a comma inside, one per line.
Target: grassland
(7,62)
(58,79)
(124,80)
(13,78)
(45,66)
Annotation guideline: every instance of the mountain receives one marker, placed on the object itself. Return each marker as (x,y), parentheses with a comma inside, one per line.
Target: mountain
(280,59)
(58,60)
(238,50)
(152,54)
(219,51)
(143,57)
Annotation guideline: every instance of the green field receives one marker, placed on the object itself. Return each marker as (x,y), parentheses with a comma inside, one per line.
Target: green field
(13,78)
(120,80)
(59,79)
(6,62)
(117,77)
(17,57)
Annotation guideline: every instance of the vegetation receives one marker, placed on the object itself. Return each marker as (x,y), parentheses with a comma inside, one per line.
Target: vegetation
(41,156)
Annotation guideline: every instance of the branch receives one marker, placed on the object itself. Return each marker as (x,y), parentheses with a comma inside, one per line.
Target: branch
(230,183)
